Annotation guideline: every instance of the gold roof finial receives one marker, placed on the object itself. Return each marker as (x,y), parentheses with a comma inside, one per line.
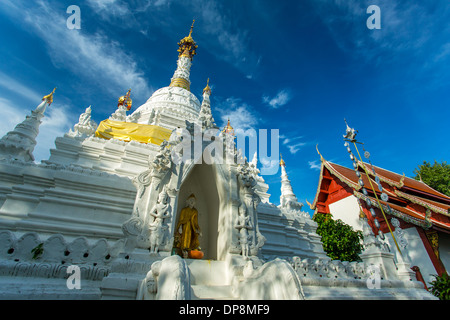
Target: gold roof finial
(49,97)
(317,148)
(207,88)
(282,163)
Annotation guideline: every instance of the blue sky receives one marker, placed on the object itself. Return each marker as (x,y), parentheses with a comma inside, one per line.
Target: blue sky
(297,66)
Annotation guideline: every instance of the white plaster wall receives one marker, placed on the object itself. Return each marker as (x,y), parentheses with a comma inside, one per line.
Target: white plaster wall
(415,252)
(347,210)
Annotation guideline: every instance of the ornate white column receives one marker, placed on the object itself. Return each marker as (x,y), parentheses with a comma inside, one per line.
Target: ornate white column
(186,53)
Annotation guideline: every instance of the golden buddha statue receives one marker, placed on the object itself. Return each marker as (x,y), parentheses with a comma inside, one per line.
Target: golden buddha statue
(187,229)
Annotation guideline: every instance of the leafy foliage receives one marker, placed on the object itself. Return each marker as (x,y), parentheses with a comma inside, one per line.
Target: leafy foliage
(340,241)
(38,251)
(440,286)
(436,176)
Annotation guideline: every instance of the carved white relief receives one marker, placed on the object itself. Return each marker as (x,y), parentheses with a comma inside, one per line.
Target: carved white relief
(30,250)
(371,243)
(399,234)
(244,225)
(120,114)
(157,228)
(85,127)
(162,161)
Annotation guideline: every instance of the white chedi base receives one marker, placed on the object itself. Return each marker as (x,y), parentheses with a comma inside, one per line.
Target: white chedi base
(168,107)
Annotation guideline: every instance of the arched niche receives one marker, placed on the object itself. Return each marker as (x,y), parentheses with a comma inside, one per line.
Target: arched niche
(202,182)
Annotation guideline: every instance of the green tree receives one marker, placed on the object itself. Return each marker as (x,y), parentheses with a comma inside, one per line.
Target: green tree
(340,241)
(440,286)
(436,176)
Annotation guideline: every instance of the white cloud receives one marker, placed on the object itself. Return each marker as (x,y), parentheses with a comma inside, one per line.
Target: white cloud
(405,28)
(93,57)
(11,116)
(13,85)
(315,165)
(56,122)
(293,149)
(241,115)
(226,40)
(293,144)
(112,9)
(280,99)
(269,166)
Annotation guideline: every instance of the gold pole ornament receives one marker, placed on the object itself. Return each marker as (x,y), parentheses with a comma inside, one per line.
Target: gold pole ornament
(350,135)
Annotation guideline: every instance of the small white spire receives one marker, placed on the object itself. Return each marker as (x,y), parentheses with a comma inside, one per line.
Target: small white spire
(19,143)
(287,194)
(205,114)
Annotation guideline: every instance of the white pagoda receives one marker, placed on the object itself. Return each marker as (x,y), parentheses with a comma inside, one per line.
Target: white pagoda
(123,204)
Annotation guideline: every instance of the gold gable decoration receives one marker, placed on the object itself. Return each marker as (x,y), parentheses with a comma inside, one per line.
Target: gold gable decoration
(130,131)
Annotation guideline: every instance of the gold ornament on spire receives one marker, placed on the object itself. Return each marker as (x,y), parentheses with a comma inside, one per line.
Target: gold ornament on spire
(228,128)
(282,163)
(187,46)
(49,97)
(207,88)
(125,100)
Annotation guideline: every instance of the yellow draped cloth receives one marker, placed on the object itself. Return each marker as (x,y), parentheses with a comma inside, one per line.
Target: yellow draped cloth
(127,131)
(189,222)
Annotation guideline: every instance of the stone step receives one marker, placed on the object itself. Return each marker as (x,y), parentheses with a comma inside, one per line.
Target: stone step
(208,272)
(203,292)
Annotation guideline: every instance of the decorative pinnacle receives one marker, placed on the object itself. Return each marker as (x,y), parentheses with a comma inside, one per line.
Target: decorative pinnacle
(192,28)
(49,98)
(187,45)
(282,163)
(350,133)
(207,88)
(228,128)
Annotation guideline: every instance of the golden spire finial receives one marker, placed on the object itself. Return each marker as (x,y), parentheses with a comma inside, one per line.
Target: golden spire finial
(207,88)
(228,128)
(192,28)
(187,45)
(317,148)
(49,97)
(282,163)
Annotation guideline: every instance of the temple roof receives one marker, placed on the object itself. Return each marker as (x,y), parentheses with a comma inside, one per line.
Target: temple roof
(410,200)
